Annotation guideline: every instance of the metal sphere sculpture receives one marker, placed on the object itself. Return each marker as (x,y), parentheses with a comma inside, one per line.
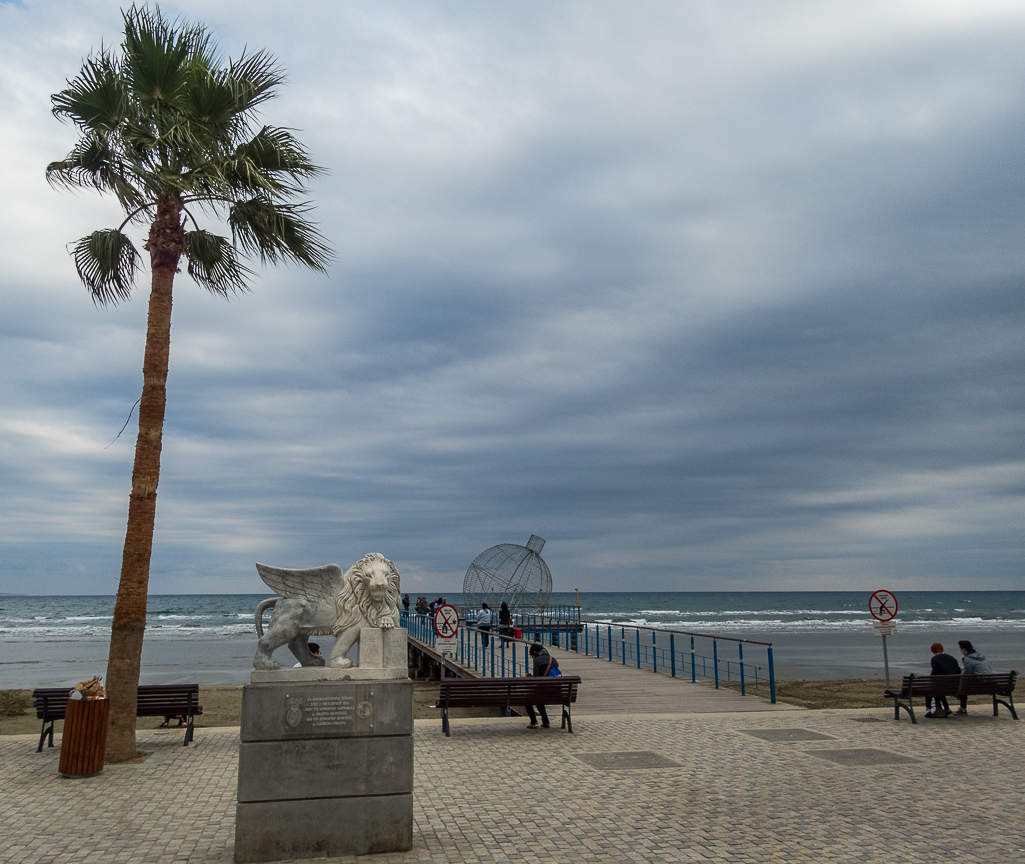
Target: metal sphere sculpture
(516,574)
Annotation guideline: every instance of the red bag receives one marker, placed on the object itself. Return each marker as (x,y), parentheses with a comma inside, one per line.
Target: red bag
(518,633)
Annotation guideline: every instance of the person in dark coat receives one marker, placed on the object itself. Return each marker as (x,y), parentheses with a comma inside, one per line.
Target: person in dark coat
(505,627)
(543,664)
(942,664)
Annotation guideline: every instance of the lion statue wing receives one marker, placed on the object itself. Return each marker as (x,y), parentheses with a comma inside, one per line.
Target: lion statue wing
(316,583)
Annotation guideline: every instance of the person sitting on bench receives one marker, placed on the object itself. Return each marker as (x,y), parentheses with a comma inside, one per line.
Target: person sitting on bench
(942,664)
(974,664)
(543,664)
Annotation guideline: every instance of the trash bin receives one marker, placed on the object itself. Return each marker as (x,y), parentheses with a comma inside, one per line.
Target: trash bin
(84,738)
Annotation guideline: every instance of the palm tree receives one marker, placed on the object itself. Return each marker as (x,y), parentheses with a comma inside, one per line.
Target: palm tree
(170,131)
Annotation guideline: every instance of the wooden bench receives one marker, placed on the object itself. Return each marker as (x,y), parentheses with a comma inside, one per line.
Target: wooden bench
(507,693)
(929,686)
(154,700)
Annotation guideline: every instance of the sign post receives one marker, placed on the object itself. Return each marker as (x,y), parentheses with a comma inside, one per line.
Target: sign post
(446,626)
(883,606)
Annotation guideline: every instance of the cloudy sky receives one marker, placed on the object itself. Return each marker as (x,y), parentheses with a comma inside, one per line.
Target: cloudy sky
(711,295)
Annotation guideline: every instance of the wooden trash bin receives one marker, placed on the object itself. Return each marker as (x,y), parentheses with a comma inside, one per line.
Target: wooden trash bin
(84,738)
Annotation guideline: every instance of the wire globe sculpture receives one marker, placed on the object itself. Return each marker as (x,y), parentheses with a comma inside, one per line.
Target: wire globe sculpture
(516,574)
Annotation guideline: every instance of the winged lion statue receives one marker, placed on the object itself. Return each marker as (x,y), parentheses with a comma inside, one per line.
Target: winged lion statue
(324,601)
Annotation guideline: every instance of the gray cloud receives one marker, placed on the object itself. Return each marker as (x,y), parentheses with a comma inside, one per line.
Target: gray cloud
(720,296)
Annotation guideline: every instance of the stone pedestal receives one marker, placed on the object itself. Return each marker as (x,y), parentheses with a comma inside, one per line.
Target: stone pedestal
(325,769)
(382,655)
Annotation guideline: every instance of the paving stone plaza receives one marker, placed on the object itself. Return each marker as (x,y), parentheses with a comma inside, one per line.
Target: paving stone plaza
(787,786)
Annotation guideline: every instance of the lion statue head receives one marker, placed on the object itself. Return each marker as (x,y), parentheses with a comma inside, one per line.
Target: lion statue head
(370,590)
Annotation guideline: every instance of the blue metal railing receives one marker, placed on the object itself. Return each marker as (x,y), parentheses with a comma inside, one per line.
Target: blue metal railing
(505,656)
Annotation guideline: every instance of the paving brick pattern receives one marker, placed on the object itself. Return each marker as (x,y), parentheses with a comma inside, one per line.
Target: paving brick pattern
(495,792)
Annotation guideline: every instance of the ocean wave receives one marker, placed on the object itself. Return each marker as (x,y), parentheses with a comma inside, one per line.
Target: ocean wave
(702,625)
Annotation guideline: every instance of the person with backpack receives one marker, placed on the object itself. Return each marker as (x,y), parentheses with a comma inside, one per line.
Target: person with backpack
(544,665)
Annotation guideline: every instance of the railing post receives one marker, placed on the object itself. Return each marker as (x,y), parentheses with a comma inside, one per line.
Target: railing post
(654,653)
(587,646)
(672,653)
(622,637)
(610,643)
(772,679)
(740,648)
(638,632)
(715,661)
(693,671)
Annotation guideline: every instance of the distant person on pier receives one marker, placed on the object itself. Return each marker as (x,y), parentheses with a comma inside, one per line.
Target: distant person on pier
(942,664)
(405,602)
(505,627)
(544,665)
(484,622)
(974,664)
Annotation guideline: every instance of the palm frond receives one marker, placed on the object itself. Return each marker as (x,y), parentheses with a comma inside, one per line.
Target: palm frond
(96,99)
(214,264)
(276,232)
(255,78)
(107,262)
(271,164)
(92,164)
(160,56)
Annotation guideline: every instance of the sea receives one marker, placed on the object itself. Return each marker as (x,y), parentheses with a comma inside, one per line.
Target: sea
(53,641)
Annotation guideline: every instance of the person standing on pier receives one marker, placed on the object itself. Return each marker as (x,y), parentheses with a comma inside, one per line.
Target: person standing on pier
(484,622)
(505,627)
(544,663)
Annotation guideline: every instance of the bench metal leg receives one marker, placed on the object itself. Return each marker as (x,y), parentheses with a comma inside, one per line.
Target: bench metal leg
(190,731)
(566,719)
(897,705)
(1008,705)
(42,737)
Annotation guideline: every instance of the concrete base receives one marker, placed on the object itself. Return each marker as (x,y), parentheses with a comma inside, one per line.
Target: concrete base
(325,769)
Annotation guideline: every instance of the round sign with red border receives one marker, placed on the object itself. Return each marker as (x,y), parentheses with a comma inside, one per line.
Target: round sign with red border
(883,605)
(446,621)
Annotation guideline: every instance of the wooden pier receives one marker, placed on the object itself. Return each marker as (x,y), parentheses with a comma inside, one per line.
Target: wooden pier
(612,688)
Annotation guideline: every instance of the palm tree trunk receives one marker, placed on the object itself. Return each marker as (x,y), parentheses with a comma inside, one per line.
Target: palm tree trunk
(165,245)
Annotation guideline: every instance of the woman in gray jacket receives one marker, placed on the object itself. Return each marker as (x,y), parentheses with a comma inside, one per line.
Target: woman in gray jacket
(974,664)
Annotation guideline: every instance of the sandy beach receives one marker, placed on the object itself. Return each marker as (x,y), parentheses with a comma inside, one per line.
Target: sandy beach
(222,704)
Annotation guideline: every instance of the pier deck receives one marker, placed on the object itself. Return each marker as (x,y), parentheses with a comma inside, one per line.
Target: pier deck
(611,688)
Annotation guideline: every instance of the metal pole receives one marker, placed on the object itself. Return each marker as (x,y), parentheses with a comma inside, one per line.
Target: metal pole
(672,652)
(772,678)
(886,670)
(654,654)
(740,646)
(715,658)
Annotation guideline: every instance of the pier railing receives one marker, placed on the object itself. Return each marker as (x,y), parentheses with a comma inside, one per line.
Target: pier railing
(677,653)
